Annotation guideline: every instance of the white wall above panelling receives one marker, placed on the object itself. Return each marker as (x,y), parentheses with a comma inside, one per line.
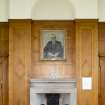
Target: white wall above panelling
(65,9)
(52,9)
(101,11)
(86,9)
(20,9)
(4,10)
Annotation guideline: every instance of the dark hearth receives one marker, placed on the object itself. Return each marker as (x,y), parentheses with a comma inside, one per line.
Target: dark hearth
(52,99)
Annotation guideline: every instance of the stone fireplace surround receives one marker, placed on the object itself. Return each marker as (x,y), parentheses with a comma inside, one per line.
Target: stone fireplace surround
(65,87)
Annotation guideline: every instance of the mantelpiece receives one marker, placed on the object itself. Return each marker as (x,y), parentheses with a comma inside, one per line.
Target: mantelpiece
(39,87)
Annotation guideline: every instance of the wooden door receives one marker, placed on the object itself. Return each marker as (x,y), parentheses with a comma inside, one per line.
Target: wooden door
(3,80)
(102,81)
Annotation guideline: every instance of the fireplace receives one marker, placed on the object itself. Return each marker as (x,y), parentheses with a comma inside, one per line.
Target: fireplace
(52,92)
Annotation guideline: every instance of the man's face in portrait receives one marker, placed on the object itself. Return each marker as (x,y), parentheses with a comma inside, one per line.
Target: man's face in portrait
(53,38)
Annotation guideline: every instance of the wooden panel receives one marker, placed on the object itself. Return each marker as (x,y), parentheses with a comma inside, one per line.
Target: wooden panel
(3,80)
(102,81)
(19,61)
(1,76)
(87,60)
(43,69)
(86,51)
(4,45)
(4,39)
(102,63)
(102,39)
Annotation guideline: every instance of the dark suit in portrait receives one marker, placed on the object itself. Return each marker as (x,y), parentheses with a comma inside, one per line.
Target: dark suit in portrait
(54,49)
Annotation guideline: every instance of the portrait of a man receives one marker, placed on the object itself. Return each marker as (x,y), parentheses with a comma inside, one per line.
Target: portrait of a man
(53,45)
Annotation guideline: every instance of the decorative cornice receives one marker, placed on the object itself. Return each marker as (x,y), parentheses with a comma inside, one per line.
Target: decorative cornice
(19,20)
(86,20)
(74,20)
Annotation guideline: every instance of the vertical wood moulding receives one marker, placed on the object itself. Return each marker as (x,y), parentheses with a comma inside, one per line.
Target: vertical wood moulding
(89,57)
(11,65)
(28,60)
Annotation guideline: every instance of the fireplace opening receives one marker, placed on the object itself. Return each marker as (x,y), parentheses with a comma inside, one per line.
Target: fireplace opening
(52,99)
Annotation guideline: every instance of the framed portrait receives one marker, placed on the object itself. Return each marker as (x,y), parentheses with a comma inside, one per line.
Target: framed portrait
(52,44)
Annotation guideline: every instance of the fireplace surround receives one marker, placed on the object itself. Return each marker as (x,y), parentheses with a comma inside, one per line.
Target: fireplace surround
(64,87)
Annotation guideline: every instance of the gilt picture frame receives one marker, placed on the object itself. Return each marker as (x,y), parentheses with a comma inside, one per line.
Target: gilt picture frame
(52,44)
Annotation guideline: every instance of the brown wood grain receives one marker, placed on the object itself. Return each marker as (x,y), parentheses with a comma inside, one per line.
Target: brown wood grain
(101,31)
(102,63)
(3,80)
(42,69)
(87,60)
(4,52)
(102,81)
(4,39)
(25,63)
(19,62)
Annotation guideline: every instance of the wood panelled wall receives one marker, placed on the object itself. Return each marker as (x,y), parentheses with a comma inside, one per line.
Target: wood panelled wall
(43,69)
(25,63)
(87,60)
(102,63)
(4,52)
(19,61)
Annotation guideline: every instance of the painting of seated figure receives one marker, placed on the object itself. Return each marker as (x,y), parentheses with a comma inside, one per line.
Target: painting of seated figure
(52,44)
